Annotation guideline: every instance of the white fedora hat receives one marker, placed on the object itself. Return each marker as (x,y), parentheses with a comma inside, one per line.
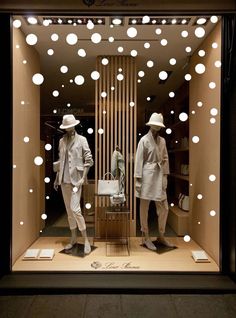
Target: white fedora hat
(156,120)
(69,121)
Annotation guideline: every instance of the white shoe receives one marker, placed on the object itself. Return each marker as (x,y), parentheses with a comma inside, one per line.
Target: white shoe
(165,242)
(87,247)
(70,245)
(148,243)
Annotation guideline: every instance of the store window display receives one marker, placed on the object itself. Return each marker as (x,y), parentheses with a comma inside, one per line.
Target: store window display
(151,171)
(75,159)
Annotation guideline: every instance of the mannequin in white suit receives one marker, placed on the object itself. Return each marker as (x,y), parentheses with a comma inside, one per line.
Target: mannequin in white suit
(151,170)
(75,159)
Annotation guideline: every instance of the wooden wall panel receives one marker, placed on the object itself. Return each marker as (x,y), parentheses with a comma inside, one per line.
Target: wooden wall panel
(27,207)
(205,155)
(118,120)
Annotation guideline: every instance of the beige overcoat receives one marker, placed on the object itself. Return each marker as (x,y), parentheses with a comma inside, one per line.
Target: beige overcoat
(152,166)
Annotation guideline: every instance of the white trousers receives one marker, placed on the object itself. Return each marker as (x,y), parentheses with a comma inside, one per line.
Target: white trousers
(161,210)
(72,204)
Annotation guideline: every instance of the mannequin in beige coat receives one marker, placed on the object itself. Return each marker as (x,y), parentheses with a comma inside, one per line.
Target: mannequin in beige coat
(75,159)
(151,170)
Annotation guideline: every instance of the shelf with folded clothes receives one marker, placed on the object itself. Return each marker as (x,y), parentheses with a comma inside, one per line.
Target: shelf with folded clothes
(179,176)
(178,150)
(178,123)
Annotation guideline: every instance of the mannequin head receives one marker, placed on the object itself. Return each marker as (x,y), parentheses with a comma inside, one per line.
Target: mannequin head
(155,130)
(70,131)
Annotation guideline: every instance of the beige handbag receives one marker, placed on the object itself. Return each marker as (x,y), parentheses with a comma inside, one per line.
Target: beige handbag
(108,187)
(183,202)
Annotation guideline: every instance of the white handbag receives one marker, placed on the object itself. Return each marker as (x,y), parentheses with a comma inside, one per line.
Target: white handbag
(183,202)
(184,169)
(108,187)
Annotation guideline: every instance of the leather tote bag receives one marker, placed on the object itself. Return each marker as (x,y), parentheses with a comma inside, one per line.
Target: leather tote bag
(108,187)
(183,202)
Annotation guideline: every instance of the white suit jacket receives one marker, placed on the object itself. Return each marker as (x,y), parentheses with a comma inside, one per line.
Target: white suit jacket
(151,163)
(79,156)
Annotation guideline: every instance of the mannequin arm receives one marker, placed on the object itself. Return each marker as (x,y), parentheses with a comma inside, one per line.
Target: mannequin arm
(55,185)
(138,184)
(82,180)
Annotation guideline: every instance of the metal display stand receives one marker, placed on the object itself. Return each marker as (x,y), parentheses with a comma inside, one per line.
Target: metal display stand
(120,214)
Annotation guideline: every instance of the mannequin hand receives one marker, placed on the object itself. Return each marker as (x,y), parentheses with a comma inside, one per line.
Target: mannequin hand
(164,181)
(80,183)
(55,186)
(138,184)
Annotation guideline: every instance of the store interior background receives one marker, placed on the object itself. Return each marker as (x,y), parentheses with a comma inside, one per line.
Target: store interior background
(37,114)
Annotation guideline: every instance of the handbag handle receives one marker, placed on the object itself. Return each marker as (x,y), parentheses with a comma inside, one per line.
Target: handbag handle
(113,178)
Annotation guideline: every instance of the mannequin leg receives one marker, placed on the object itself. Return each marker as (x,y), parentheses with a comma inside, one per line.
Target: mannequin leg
(144,205)
(87,247)
(75,217)
(73,239)
(77,213)
(162,212)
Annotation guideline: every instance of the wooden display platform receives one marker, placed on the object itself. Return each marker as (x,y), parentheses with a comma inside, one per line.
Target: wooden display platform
(140,259)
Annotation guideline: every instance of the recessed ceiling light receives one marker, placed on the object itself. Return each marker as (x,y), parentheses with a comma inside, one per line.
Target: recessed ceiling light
(145,19)
(90,25)
(32,20)
(201,21)
(117,21)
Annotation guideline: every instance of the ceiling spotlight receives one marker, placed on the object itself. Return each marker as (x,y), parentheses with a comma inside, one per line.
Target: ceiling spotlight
(173,21)
(116,21)
(90,25)
(184,21)
(32,20)
(134,21)
(214,19)
(145,19)
(163,21)
(201,21)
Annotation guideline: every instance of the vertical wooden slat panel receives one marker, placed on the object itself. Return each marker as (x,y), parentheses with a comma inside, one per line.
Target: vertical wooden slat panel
(127,133)
(96,149)
(119,124)
(115,101)
(112,104)
(119,101)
